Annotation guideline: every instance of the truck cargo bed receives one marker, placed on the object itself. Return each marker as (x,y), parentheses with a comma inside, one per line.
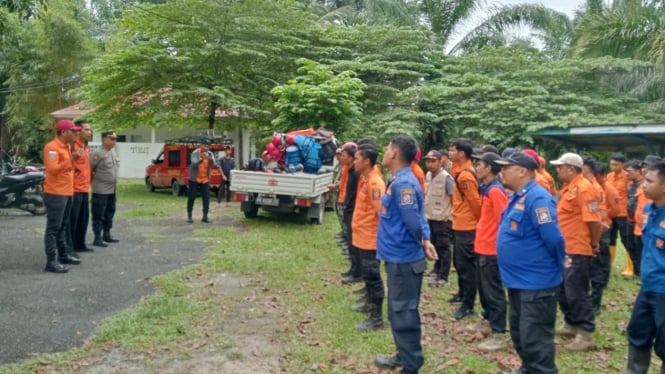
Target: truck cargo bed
(297,184)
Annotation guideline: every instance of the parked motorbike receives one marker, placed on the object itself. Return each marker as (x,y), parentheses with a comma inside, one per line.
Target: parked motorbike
(21,186)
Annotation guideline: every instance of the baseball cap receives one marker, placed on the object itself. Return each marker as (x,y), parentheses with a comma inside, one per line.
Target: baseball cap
(205,141)
(572,159)
(65,124)
(651,159)
(519,159)
(488,158)
(508,151)
(110,134)
(532,153)
(433,155)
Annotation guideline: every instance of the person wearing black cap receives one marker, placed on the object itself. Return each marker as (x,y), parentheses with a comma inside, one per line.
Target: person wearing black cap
(530,253)
(635,181)
(490,289)
(640,218)
(104,165)
(202,162)
(58,192)
(439,187)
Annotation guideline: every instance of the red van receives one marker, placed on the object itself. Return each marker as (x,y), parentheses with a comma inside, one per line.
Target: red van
(170,169)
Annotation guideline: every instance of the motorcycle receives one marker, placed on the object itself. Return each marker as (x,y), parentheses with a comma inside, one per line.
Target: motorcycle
(21,186)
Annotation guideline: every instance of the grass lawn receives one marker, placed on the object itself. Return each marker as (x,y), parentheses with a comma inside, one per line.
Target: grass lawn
(294,268)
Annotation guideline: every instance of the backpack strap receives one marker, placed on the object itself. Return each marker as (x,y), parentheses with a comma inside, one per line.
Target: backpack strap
(469,170)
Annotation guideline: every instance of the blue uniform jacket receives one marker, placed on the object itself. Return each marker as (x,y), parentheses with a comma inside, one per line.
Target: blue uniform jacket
(653,250)
(530,246)
(402,224)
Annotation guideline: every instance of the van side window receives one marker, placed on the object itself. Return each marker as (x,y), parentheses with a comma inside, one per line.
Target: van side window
(174,158)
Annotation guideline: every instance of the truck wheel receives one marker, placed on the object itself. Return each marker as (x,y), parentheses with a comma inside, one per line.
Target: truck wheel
(252,212)
(148,185)
(177,189)
(318,218)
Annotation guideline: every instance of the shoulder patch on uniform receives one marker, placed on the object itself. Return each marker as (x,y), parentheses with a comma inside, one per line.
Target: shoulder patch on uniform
(662,224)
(52,155)
(659,243)
(406,196)
(593,206)
(376,193)
(574,190)
(543,215)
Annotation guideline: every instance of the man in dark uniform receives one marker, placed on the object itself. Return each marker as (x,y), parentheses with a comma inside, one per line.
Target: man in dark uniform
(646,328)
(348,153)
(403,234)
(227,163)
(104,165)
(80,215)
(530,252)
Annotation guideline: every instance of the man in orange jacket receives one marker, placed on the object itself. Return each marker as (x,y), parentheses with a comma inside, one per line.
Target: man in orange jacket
(465,212)
(58,192)
(80,214)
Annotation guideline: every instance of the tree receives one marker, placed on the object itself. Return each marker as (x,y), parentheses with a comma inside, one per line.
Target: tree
(185,60)
(317,98)
(500,95)
(45,57)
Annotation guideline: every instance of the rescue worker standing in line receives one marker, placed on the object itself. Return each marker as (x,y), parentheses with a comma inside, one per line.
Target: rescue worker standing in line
(490,289)
(58,192)
(618,179)
(530,252)
(465,212)
(365,224)
(104,165)
(580,222)
(202,162)
(351,190)
(647,321)
(403,234)
(439,187)
(635,178)
(80,215)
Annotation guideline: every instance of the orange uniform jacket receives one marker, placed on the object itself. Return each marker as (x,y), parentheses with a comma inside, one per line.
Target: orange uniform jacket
(419,174)
(494,202)
(466,199)
(613,201)
(82,172)
(602,204)
(640,216)
(343,180)
(547,177)
(365,221)
(620,183)
(577,207)
(58,169)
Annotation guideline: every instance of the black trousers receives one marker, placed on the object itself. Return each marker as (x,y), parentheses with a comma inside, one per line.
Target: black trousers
(532,319)
(103,211)
(224,189)
(78,222)
(193,190)
(404,285)
(574,298)
(371,273)
(354,254)
(619,226)
(441,237)
(631,247)
(465,263)
(646,328)
(637,255)
(601,265)
(492,294)
(58,209)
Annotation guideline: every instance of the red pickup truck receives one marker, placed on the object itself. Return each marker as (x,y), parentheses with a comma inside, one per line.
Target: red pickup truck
(170,169)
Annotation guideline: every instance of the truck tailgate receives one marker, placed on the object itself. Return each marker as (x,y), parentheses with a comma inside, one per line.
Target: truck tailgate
(296,184)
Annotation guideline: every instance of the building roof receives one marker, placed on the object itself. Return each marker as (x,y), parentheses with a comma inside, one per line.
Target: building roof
(73,111)
(626,138)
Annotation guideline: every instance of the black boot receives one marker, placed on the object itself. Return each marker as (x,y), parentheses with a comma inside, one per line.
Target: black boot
(638,361)
(54,266)
(375,319)
(98,241)
(205,219)
(189,218)
(69,259)
(107,237)
(389,363)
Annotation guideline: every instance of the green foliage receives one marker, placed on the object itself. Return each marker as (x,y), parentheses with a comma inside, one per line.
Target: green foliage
(317,98)
(499,95)
(44,58)
(182,61)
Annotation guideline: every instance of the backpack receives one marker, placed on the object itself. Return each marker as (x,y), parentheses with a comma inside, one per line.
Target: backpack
(255,164)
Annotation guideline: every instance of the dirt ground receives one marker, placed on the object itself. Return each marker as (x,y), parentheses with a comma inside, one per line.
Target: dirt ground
(44,312)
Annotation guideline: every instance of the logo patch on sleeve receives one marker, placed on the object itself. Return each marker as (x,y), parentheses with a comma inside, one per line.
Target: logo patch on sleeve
(376,193)
(593,206)
(52,155)
(406,197)
(543,215)
(659,243)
